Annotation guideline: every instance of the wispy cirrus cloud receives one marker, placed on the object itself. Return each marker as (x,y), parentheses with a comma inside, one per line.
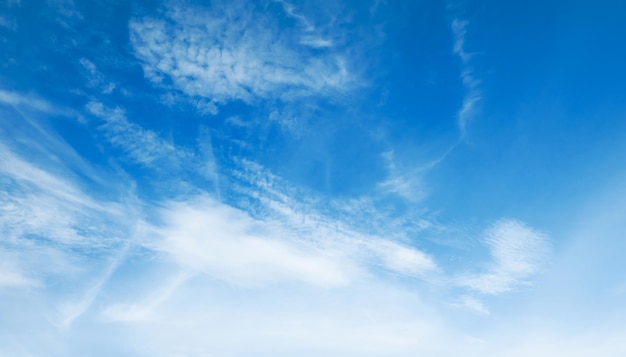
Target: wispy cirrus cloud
(51,226)
(518,252)
(404,182)
(290,10)
(365,234)
(141,145)
(32,102)
(278,240)
(95,79)
(149,149)
(231,51)
(316,42)
(38,203)
(473,95)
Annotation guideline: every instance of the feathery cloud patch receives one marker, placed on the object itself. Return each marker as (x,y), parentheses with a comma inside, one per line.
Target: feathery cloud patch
(232,51)
(517,251)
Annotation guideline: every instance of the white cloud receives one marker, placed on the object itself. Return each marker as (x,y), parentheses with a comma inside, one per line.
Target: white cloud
(204,106)
(403,260)
(290,10)
(35,202)
(143,146)
(18,99)
(149,149)
(206,236)
(212,238)
(473,95)
(404,182)
(231,51)
(50,225)
(459,30)
(316,42)
(517,251)
(95,79)
(408,186)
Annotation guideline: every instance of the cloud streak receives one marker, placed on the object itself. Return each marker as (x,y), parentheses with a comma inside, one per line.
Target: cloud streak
(32,102)
(473,95)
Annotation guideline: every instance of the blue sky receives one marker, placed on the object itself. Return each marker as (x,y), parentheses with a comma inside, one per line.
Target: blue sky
(274,178)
